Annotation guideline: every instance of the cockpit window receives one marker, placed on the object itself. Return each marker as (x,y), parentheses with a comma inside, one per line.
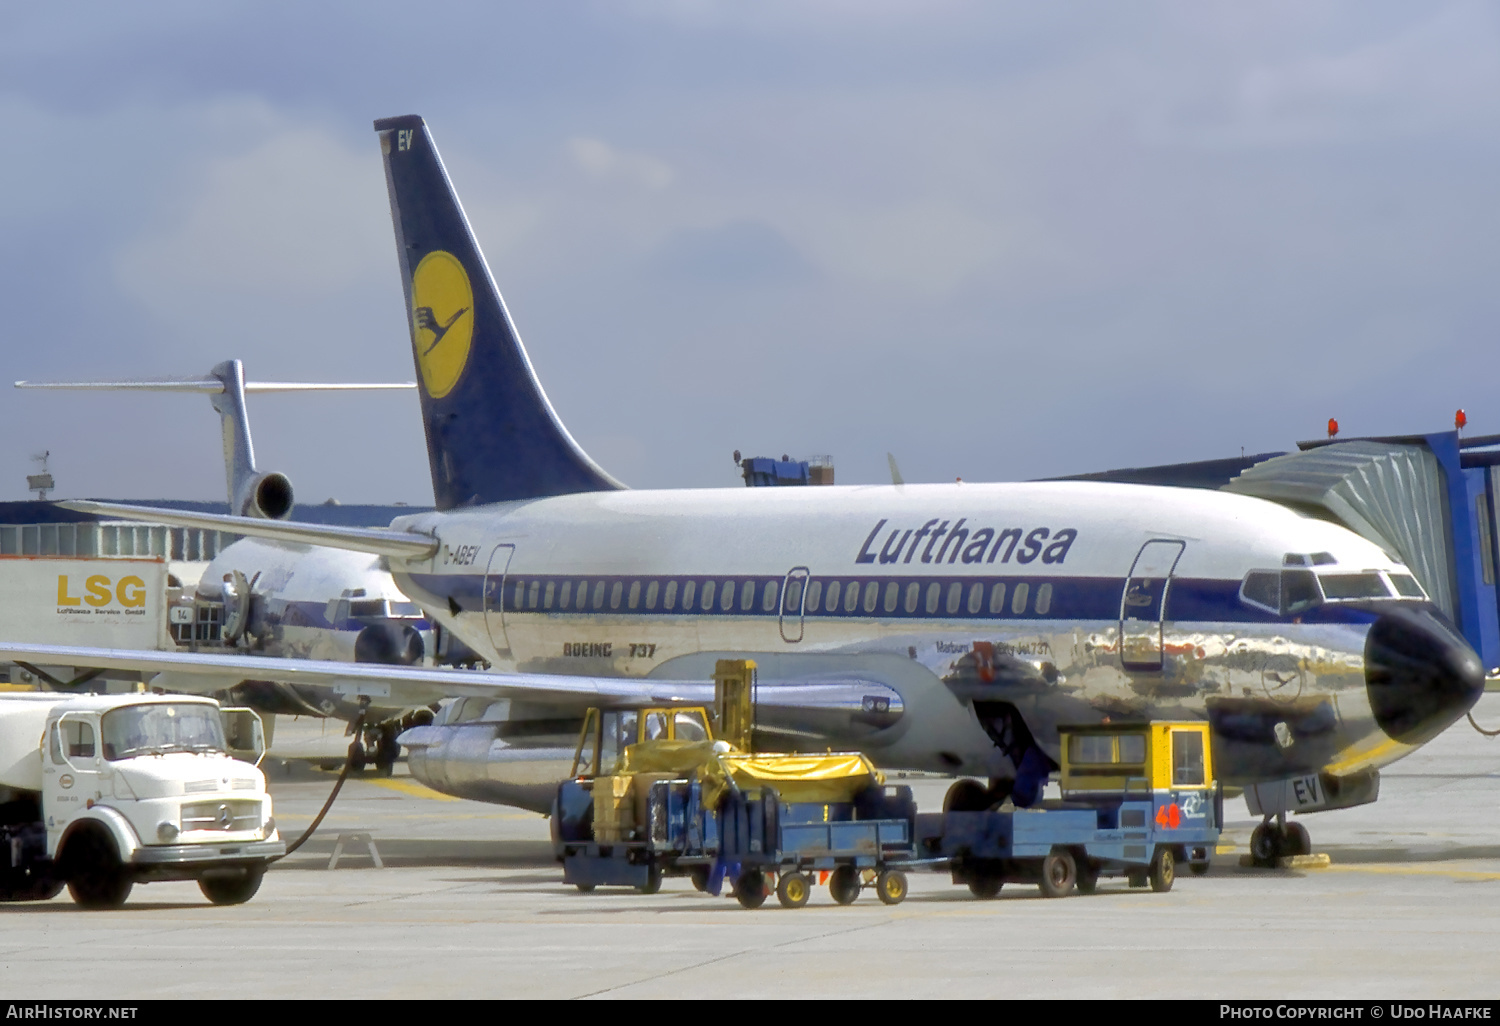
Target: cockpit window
(1299,591)
(1407,586)
(1367,585)
(1263,588)
(367,607)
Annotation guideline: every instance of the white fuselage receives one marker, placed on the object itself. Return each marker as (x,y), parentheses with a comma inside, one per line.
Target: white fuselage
(927,589)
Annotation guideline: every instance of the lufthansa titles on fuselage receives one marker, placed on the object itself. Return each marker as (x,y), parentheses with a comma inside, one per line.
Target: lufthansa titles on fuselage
(957,541)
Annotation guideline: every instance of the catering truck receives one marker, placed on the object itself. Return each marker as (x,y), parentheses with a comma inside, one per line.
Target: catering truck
(101,792)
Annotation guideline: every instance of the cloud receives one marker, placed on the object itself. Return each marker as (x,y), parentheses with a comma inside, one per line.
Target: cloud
(600,160)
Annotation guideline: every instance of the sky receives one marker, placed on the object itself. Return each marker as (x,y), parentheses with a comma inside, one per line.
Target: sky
(998,240)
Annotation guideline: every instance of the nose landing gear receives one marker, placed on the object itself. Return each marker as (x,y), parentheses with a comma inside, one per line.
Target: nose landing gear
(1277,839)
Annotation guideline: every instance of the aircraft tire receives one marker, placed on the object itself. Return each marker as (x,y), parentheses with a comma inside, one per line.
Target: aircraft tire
(1198,868)
(1295,841)
(1265,844)
(1163,869)
(699,876)
(967,796)
(1059,874)
(653,880)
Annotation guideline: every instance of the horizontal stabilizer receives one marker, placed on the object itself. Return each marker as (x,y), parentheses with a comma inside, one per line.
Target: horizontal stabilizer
(383,541)
(213,386)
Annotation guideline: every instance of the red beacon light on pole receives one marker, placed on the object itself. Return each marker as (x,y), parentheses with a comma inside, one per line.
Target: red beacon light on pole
(1460,420)
(1333,427)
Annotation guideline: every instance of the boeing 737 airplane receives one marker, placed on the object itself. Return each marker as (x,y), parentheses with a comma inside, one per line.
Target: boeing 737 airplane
(936,627)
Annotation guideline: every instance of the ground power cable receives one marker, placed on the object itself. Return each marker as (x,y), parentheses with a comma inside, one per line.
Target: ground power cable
(1476,726)
(337,785)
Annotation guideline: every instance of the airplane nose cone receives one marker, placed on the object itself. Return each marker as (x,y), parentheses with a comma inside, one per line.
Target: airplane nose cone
(1420,673)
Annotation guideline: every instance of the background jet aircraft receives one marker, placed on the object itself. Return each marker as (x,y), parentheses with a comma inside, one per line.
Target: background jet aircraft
(294,601)
(947,627)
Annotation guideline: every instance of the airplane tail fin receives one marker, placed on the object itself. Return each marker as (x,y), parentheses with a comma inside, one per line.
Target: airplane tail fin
(251,492)
(492,435)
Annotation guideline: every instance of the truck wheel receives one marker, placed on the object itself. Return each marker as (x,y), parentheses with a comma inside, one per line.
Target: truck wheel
(750,888)
(231,890)
(699,876)
(1163,869)
(793,890)
(1059,874)
(843,885)
(890,885)
(1088,875)
(96,877)
(985,885)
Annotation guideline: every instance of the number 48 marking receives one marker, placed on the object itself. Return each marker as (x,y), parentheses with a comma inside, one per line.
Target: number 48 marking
(1169,817)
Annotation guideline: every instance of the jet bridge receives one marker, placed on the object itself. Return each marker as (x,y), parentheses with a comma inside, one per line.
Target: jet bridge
(1429,500)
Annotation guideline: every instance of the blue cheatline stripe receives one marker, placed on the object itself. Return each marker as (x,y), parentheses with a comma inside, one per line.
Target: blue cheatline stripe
(881,598)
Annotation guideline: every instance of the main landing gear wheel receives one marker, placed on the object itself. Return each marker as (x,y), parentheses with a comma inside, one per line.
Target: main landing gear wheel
(1163,869)
(1295,840)
(750,888)
(231,890)
(967,796)
(843,885)
(1059,874)
(793,890)
(890,885)
(1198,868)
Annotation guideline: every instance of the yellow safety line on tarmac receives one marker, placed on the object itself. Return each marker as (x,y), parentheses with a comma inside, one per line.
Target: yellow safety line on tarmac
(408,787)
(1458,874)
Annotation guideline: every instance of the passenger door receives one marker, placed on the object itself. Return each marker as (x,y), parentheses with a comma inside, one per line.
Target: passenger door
(1144,602)
(494,597)
(793,603)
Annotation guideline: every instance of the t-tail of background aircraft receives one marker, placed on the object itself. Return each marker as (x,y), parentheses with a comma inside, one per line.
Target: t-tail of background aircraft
(307,602)
(935,627)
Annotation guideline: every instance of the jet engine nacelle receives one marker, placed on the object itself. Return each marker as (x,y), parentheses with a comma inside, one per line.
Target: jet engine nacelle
(267,496)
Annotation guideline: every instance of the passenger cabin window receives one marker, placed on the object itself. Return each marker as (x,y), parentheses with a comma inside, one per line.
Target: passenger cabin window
(831,605)
(1187,758)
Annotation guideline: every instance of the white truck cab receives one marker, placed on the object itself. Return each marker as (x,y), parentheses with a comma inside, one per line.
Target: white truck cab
(99,792)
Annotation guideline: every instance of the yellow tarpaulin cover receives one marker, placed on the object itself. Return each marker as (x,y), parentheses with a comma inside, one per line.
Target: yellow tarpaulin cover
(666,756)
(836,777)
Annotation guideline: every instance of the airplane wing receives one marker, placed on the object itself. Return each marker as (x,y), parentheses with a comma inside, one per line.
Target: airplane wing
(831,702)
(380,540)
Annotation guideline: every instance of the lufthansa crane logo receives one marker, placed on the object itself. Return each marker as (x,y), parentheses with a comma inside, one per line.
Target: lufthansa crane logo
(442,320)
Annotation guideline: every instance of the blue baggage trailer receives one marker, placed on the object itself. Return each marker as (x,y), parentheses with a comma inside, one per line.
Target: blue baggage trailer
(1138,800)
(652,794)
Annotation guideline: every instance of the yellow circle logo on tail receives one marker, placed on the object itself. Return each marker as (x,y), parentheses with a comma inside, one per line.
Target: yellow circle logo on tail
(442,309)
